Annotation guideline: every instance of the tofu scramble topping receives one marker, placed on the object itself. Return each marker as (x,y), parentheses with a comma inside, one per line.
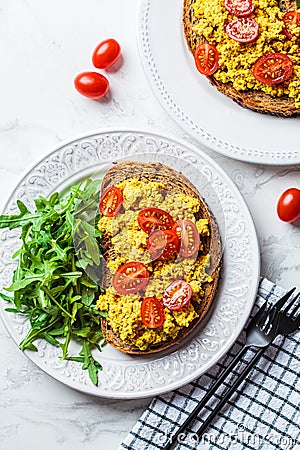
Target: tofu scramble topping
(129,241)
(236,60)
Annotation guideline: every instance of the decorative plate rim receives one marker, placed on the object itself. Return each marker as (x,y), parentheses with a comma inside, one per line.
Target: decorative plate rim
(85,387)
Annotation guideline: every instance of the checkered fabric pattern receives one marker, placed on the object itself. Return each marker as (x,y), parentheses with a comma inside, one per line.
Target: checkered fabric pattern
(263,414)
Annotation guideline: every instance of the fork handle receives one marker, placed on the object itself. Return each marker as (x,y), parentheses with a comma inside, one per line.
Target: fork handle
(230,391)
(208,395)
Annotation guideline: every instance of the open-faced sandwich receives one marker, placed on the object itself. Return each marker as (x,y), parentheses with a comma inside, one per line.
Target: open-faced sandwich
(162,257)
(249,50)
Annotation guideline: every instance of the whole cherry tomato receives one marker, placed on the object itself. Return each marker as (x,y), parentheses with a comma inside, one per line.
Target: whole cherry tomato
(288,206)
(106,54)
(152,312)
(91,84)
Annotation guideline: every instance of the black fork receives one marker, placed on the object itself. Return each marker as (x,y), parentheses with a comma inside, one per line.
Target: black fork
(288,321)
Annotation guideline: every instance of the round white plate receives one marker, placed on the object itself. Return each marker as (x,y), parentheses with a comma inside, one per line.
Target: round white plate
(207,115)
(124,376)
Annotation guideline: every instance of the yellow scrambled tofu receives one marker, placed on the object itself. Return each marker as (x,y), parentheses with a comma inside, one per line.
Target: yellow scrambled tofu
(129,242)
(236,60)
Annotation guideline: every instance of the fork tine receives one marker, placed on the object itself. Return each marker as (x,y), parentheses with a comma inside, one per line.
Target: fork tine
(261,319)
(295,310)
(287,308)
(259,312)
(272,321)
(283,299)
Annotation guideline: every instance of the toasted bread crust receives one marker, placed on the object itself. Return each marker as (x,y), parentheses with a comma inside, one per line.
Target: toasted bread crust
(175,183)
(255,100)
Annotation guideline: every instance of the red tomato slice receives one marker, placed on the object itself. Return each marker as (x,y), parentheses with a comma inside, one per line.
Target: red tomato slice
(152,312)
(273,68)
(243,30)
(131,278)
(240,8)
(162,244)
(206,59)
(291,18)
(150,219)
(106,54)
(177,295)
(188,234)
(92,85)
(288,207)
(111,201)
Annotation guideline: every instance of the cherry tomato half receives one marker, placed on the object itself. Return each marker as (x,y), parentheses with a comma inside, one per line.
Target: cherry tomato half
(291,18)
(162,244)
(111,201)
(106,54)
(288,206)
(91,84)
(240,8)
(243,30)
(188,234)
(150,219)
(152,312)
(177,295)
(273,68)
(131,278)
(206,59)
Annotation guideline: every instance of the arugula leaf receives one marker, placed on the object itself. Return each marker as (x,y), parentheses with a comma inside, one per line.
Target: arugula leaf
(49,338)
(12,310)
(21,284)
(51,285)
(6,298)
(90,363)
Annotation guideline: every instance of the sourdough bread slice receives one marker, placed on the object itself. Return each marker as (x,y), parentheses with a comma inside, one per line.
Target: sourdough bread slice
(256,100)
(175,183)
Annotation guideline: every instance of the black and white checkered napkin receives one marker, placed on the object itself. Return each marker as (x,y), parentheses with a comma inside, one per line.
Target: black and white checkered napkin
(264,413)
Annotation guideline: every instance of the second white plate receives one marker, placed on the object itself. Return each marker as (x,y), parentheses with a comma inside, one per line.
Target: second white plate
(207,115)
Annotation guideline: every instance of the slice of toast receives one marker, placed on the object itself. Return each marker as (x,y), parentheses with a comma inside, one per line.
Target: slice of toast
(175,183)
(256,100)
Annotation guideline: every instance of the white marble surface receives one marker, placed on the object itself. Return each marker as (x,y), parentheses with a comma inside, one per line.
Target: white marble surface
(43,46)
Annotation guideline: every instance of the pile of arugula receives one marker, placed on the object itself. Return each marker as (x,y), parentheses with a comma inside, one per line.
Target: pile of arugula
(50,283)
